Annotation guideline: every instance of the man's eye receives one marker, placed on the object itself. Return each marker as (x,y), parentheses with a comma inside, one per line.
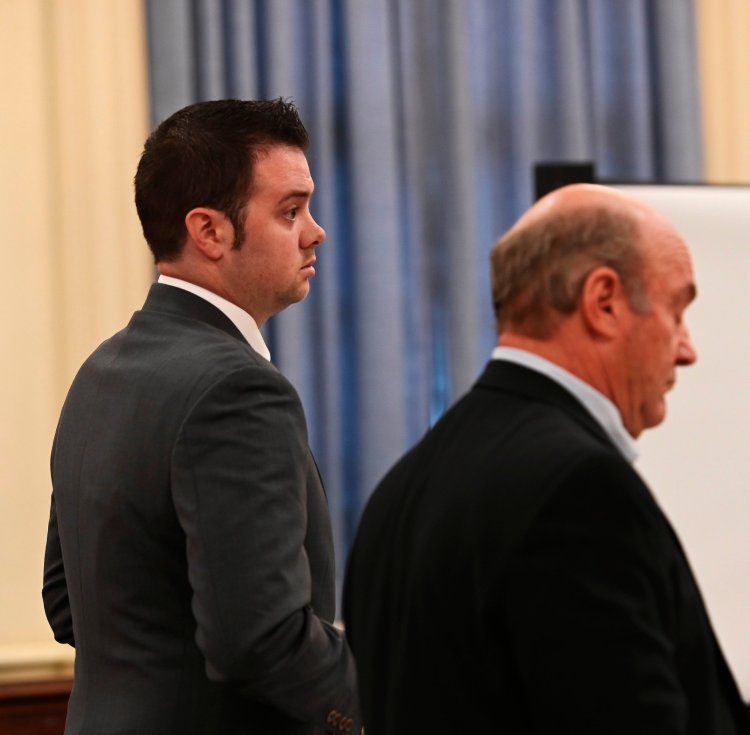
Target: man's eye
(291,214)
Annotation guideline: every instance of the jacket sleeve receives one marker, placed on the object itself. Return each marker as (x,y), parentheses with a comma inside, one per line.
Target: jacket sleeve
(55,588)
(589,596)
(239,473)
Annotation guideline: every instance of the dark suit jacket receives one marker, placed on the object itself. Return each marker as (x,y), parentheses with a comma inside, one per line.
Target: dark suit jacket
(189,556)
(513,574)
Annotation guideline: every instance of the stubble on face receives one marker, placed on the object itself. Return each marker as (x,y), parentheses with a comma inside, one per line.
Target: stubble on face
(273,267)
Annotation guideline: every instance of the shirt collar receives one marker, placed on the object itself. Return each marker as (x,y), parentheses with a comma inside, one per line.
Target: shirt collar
(597,404)
(239,317)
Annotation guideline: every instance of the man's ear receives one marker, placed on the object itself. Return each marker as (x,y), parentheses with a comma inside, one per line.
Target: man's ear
(210,230)
(603,302)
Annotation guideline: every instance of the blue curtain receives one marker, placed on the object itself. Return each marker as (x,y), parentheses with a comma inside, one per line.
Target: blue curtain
(426,118)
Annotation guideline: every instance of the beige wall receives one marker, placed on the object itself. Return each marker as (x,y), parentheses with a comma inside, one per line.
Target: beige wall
(723,33)
(74,91)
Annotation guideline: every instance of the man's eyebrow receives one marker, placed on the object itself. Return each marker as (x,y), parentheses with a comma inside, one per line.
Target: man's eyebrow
(306,194)
(684,297)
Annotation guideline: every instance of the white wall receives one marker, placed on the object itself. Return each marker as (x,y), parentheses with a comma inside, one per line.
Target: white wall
(698,462)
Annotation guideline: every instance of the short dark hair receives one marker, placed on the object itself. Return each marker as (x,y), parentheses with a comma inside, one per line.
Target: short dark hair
(203,156)
(538,270)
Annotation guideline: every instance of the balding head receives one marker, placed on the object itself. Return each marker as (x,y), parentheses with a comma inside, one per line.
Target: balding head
(597,282)
(540,264)
(584,197)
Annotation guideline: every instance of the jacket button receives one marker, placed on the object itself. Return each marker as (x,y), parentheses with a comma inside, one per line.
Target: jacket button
(335,718)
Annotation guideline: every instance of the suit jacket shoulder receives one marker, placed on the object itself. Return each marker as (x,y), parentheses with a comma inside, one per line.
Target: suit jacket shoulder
(181,469)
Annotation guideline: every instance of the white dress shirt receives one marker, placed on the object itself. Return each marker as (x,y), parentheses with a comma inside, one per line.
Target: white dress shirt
(239,317)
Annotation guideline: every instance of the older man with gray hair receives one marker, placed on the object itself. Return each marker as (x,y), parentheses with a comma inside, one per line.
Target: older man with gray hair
(513,573)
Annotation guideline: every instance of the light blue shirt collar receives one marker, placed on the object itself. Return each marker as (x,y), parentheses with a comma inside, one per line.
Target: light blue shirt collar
(239,317)
(597,404)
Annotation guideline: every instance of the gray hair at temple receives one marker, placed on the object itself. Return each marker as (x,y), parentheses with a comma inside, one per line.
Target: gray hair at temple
(539,268)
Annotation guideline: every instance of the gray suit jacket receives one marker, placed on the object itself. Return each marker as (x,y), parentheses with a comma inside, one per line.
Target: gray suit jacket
(189,555)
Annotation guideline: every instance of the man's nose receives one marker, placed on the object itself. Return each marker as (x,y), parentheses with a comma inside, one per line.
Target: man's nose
(315,236)
(686,354)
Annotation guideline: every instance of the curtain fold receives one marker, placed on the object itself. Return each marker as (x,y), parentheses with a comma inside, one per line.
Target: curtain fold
(426,118)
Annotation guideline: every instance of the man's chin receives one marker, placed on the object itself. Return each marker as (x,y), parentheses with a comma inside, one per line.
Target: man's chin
(656,417)
(300,294)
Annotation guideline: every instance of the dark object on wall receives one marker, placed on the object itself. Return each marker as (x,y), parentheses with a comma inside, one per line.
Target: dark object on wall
(550,176)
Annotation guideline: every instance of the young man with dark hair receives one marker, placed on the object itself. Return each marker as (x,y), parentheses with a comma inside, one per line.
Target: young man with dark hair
(189,556)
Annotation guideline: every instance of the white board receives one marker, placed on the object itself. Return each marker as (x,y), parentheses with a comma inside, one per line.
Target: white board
(698,461)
